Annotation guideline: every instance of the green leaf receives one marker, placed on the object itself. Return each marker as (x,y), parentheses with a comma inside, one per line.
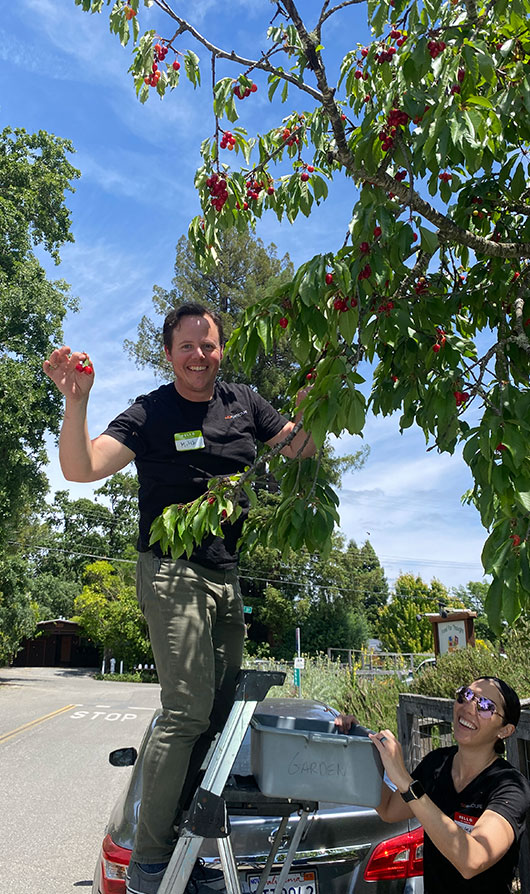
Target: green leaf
(429,241)
(525,567)
(523,498)
(493,605)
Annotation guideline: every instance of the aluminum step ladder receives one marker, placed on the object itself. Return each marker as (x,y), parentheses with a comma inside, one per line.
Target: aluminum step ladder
(208,817)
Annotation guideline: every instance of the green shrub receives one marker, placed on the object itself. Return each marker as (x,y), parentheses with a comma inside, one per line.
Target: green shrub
(136,677)
(461,668)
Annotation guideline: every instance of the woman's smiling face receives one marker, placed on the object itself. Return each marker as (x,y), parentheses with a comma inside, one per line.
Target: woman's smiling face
(470,725)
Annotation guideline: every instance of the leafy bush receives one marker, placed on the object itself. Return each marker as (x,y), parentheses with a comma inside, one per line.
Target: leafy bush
(459,668)
(136,677)
(373,703)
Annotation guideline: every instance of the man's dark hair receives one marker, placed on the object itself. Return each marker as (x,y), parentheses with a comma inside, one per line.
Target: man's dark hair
(190,309)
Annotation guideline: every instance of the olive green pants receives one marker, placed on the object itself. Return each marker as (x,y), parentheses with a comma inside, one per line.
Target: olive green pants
(196,628)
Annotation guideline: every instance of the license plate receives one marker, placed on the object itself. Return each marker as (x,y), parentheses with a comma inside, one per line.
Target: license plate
(296,883)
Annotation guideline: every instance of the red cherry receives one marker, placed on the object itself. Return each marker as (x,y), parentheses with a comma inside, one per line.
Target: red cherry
(284,322)
(310,168)
(329,279)
(80,367)
(88,370)
(176,65)
(304,176)
(377,232)
(254,88)
(436,348)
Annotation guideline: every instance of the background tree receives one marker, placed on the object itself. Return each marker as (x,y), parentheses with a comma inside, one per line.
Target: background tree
(430,121)
(18,615)
(473,595)
(109,615)
(61,539)
(329,598)
(401,626)
(34,175)
(245,268)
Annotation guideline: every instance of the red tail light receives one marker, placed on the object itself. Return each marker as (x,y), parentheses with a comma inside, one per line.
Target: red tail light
(399,857)
(114,862)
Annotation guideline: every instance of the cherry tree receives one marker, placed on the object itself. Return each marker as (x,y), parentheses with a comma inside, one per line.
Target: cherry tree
(429,127)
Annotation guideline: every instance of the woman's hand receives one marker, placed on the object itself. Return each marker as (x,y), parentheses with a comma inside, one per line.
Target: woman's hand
(392,758)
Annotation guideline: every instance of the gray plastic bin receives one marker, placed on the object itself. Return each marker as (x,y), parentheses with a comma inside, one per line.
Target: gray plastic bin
(314,761)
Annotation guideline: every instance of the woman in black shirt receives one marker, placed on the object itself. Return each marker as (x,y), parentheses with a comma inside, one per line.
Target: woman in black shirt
(471,802)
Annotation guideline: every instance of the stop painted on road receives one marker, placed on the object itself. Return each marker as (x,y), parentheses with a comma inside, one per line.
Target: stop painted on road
(102,715)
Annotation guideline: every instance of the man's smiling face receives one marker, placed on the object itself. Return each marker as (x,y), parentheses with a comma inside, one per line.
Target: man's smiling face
(195,357)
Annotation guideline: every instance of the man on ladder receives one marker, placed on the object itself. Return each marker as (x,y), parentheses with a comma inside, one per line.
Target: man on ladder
(179,436)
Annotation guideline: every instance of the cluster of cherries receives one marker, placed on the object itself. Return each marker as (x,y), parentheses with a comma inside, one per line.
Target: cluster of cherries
(385,55)
(436,47)
(440,340)
(395,119)
(460,77)
(242,92)
(228,140)
(365,273)
(289,138)
(445,177)
(160,54)
(84,366)
(218,191)
(422,286)
(385,308)
(461,397)
(254,188)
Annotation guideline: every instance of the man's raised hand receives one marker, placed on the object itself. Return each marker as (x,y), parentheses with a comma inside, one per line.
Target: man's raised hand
(71,371)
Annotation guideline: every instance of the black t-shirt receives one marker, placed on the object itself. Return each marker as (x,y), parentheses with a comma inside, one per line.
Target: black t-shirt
(500,787)
(221,440)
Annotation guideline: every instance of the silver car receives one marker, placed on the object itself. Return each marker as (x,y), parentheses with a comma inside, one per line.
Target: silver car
(344,849)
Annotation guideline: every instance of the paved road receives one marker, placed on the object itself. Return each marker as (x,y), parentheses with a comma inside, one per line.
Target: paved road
(56,784)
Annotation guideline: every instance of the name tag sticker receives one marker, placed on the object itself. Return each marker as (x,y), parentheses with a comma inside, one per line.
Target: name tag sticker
(465,821)
(188,440)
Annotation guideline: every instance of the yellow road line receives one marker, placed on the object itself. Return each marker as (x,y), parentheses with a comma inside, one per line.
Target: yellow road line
(25,726)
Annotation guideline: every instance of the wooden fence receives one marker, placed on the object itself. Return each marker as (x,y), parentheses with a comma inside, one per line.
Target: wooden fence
(425,723)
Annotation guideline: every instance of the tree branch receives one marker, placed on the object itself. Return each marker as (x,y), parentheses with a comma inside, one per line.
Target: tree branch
(326,13)
(262,64)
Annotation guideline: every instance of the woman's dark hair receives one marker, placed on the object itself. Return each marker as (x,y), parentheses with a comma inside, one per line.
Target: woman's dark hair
(511,708)
(190,309)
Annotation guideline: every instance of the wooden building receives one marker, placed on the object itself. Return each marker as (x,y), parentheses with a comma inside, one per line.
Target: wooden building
(57,643)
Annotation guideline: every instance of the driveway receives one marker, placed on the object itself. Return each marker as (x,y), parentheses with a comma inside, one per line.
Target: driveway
(57,727)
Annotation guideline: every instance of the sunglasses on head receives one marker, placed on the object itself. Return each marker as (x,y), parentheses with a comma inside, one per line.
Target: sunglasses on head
(485,706)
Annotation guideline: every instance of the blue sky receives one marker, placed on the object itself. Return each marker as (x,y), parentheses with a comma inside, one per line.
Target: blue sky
(62,71)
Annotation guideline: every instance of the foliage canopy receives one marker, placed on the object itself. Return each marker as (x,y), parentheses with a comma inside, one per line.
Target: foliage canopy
(430,123)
